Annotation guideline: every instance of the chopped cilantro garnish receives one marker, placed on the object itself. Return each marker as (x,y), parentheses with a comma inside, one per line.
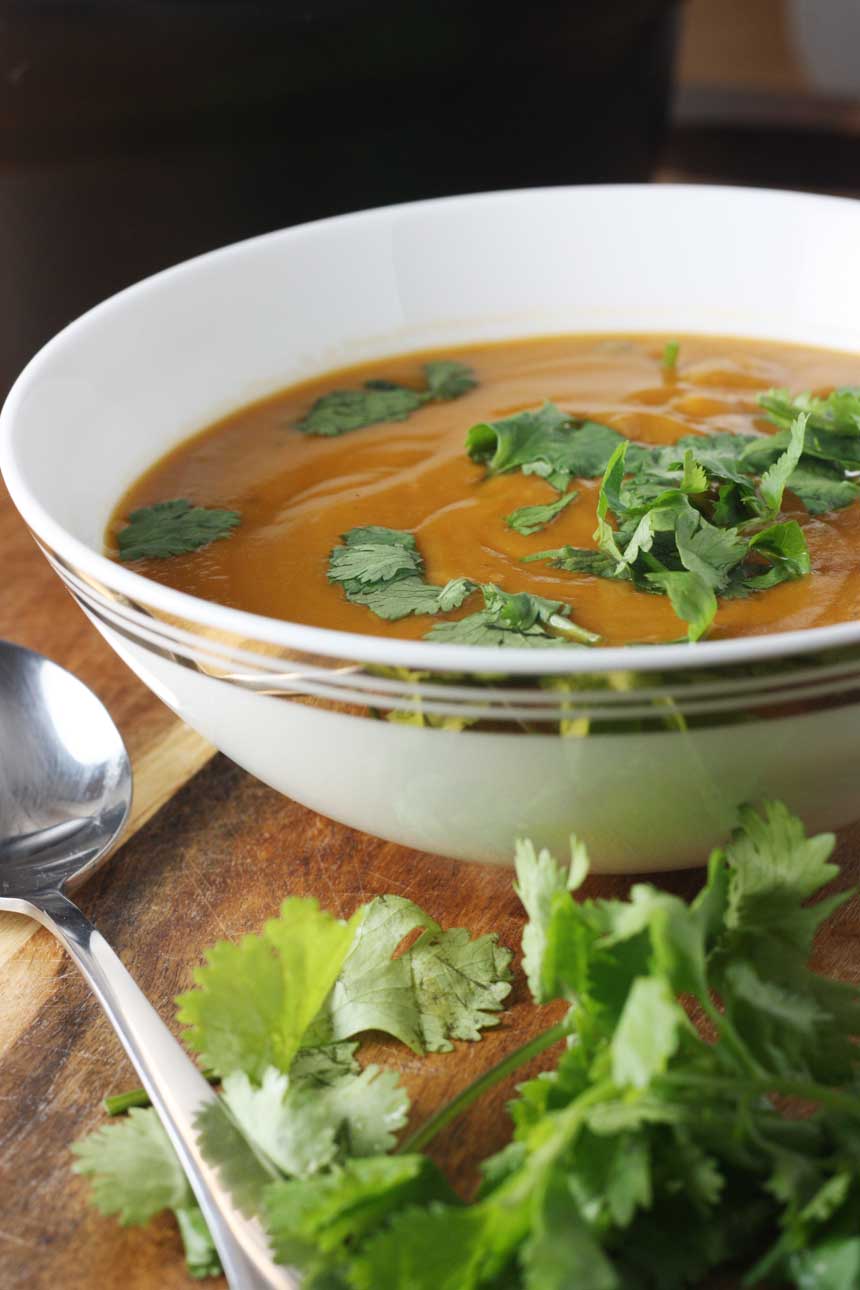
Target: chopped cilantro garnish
(173,528)
(546,442)
(680,521)
(382,569)
(340,411)
(531,519)
(514,620)
(447,379)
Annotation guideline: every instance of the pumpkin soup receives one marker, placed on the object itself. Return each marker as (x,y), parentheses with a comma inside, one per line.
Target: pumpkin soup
(567,490)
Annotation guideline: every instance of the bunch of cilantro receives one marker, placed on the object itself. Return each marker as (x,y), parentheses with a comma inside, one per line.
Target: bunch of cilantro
(703,1114)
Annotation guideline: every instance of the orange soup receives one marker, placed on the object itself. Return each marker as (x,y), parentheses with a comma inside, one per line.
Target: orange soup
(297,493)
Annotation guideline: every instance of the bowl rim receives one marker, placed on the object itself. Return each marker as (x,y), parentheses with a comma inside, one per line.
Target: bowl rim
(378,650)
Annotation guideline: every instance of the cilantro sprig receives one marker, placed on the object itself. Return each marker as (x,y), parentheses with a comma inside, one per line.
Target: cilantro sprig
(514,620)
(173,528)
(531,519)
(702,1112)
(383,570)
(278,1014)
(341,411)
(546,442)
(687,522)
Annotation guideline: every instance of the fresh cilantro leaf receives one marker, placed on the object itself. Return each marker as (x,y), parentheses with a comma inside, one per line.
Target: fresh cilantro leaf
(609,501)
(539,880)
(839,412)
(561,1249)
(483,629)
(719,454)
(378,401)
(775,868)
(135,1174)
(374,555)
(455,592)
(822,487)
(324,1214)
(344,410)
(135,1171)
(776,477)
(448,379)
(531,519)
(254,1000)
(577,560)
(694,477)
(173,528)
(302,1128)
(669,360)
(514,619)
(833,424)
(382,569)
(707,551)
(437,1247)
(647,1034)
(692,599)
(785,547)
(399,598)
(324,1064)
(445,986)
(546,442)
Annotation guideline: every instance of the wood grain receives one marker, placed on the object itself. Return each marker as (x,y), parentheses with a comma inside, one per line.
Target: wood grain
(36,611)
(225,852)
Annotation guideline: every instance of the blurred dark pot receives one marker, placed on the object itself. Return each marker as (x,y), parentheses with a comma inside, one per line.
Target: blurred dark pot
(134,134)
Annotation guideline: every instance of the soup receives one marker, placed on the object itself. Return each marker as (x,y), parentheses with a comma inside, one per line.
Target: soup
(296,493)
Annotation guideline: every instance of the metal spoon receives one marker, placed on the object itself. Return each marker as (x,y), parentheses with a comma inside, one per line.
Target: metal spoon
(65,794)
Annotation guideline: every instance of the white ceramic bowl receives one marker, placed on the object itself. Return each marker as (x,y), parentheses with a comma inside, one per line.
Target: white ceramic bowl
(647,752)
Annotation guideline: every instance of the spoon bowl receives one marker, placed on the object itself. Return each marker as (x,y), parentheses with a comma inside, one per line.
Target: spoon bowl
(65,776)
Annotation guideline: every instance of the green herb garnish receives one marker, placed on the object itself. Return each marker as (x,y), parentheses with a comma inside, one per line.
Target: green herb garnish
(651,1154)
(669,360)
(382,569)
(173,528)
(340,411)
(546,442)
(514,620)
(531,519)
(690,524)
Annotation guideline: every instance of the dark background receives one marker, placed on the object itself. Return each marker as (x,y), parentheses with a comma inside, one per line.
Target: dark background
(135,133)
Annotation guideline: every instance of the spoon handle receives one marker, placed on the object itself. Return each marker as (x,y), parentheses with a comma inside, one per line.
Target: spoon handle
(176,1089)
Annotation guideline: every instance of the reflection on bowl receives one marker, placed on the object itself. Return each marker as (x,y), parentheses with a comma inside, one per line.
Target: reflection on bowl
(646,752)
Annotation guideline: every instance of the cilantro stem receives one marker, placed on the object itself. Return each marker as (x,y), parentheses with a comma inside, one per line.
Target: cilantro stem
(807,1090)
(443,1117)
(119,1103)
